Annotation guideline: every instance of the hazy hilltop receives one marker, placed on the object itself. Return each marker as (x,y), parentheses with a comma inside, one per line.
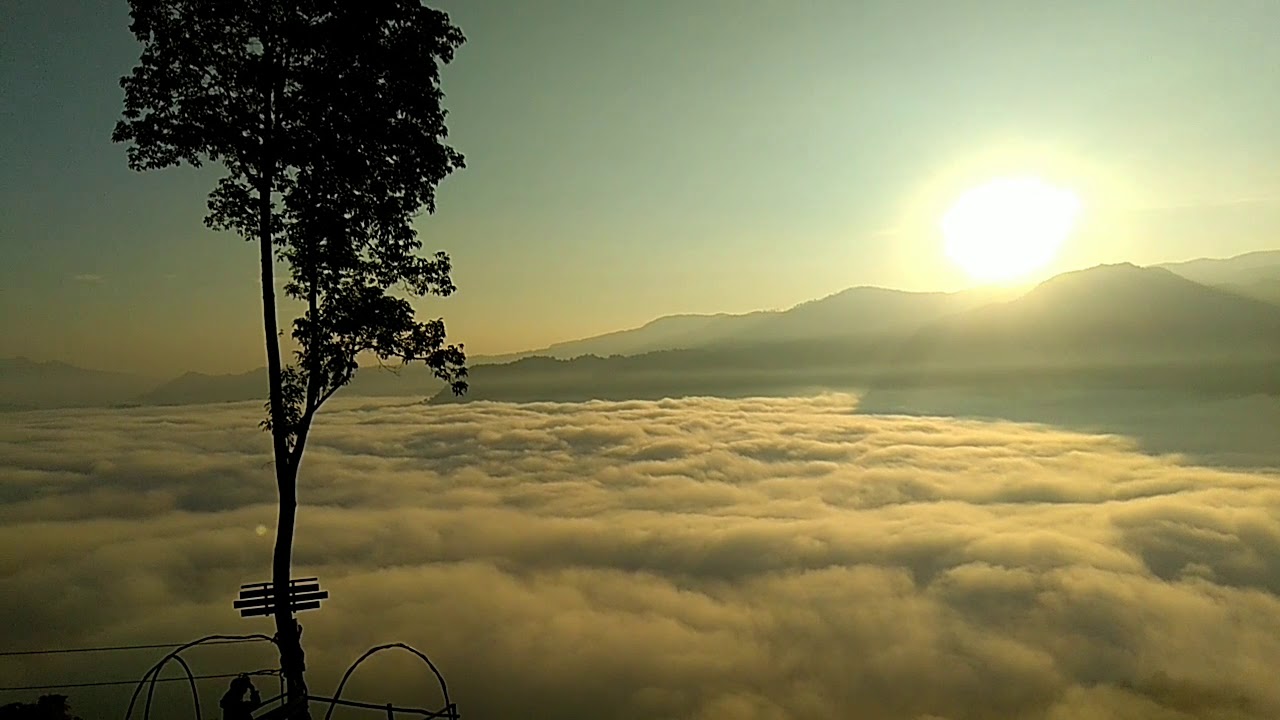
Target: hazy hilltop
(1250,267)
(1105,326)
(195,388)
(665,333)
(372,381)
(863,310)
(1118,313)
(1202,317)
(849,313)
(28,384)
(1255,275)
(1264,289)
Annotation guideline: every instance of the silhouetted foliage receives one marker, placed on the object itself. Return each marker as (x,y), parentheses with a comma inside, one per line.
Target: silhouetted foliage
(48,707)
(327,117)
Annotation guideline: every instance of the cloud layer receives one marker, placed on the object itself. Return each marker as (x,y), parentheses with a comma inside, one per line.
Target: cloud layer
(700,558)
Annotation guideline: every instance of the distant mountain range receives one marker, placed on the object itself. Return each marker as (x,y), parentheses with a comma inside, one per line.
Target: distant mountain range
(1209,321)
(1108,313)
(28,384)
(859,309)
(1255,275)
(1250,267)
(195,388)
(1113,326)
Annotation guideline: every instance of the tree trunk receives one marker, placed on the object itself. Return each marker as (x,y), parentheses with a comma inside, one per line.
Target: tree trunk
(288,633)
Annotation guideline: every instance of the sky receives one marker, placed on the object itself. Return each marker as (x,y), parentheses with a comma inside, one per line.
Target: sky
(698,559)
(630,160)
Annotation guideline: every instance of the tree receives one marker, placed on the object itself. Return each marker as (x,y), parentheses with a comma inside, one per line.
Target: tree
(327,118)
(48,707)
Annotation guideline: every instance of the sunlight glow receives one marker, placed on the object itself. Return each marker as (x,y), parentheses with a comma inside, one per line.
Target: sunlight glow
(1008,227)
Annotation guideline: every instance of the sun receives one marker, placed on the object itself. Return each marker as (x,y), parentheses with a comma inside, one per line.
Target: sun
(1009,227)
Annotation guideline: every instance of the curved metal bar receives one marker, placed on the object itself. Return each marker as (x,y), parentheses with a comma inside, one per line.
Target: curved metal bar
(155,669)
(195,694)
(155,677)
(337,695)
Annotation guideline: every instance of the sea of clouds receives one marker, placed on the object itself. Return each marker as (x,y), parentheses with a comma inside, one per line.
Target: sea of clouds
(697,558)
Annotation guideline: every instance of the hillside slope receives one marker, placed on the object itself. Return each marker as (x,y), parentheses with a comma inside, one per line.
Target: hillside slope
(1109,326)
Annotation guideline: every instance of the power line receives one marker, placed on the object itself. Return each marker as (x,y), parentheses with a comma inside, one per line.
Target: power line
(61,651)
(133,682)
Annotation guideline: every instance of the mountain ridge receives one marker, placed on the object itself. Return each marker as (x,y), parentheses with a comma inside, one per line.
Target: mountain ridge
(1254,274)
(1108,325)
(858,322)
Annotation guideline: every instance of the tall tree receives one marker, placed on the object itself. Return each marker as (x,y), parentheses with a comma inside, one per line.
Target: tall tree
(327,118)
(48,707)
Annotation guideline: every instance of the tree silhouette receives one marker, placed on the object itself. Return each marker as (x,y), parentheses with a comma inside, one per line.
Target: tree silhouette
(48,707)
(327,117)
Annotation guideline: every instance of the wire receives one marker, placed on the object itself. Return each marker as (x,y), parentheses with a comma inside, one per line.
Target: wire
(153,675)
(59,651)
(134,682)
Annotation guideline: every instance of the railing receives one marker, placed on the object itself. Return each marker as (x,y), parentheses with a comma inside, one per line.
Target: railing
(448,712)
(265,710)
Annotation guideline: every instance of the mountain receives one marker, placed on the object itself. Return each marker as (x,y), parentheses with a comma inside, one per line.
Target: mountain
(1107,326)
(862,312)
(195,388)
(1264,289)
(393,381)
(1241,269)
(1254,275)
(1110,313)
(669,332)
(1121,323)
(859,311)
(30,385)
(864,309)
(371,381)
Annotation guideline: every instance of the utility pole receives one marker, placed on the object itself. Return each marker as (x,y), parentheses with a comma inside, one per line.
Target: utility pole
(259,600)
